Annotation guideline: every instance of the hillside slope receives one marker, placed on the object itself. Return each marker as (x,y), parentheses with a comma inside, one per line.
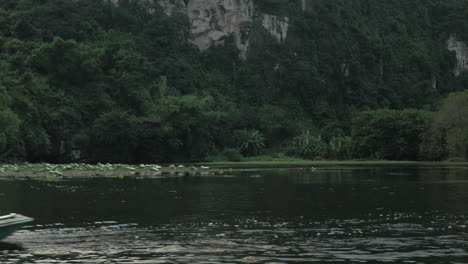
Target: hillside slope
(143,81)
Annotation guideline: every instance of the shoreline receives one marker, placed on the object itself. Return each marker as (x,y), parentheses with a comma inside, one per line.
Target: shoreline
(331,163)
(77,170)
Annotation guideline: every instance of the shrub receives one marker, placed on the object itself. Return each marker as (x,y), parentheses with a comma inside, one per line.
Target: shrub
(448,136)
(250,142)
(340,148)
(232,154)
(389,134)
(307,145)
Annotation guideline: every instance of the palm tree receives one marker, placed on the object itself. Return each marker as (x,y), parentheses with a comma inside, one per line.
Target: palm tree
(250,142)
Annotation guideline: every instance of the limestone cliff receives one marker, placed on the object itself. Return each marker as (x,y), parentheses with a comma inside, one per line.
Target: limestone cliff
(213,20)
(277,27)
(461,53)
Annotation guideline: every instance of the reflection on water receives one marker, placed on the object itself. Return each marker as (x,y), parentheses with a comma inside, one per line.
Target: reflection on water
(339,214)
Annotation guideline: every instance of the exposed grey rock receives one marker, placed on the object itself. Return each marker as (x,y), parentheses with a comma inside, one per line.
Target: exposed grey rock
(461,51)
(213,20)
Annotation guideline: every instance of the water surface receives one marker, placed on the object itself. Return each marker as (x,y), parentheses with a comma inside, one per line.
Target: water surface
(331,215)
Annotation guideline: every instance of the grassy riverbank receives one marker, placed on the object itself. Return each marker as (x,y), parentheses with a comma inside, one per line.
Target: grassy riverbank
(288,161)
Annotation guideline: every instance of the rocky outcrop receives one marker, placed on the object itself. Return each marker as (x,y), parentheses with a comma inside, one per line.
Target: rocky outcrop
(213,20)
(461,52)
(277,27)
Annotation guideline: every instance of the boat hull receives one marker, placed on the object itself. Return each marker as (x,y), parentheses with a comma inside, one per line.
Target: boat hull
(11,223)
(7,231)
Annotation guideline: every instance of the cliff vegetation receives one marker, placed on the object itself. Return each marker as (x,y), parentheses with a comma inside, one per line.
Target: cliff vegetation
(93,81)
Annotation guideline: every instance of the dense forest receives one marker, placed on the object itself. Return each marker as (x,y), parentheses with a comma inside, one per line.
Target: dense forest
(90,81)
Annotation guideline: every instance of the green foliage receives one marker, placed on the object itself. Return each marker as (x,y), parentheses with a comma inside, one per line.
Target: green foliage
(389,134)
(453,117)
(121,84)
(9,126)
(231,154)
(310,146)
(250,142)
(448,136)
(340,148)
(190,124)
(115,136)
(307,145)
(67,61)
(279,157)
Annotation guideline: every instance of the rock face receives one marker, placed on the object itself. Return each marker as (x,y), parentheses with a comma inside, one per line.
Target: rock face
(277,27)
(461,51)
(212,20)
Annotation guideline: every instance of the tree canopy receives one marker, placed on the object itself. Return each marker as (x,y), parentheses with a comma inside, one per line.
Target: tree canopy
(118,83)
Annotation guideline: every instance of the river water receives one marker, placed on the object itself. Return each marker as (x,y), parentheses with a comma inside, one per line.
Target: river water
(341,214)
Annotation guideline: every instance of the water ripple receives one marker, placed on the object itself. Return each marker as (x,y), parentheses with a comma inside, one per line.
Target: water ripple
(248,240)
